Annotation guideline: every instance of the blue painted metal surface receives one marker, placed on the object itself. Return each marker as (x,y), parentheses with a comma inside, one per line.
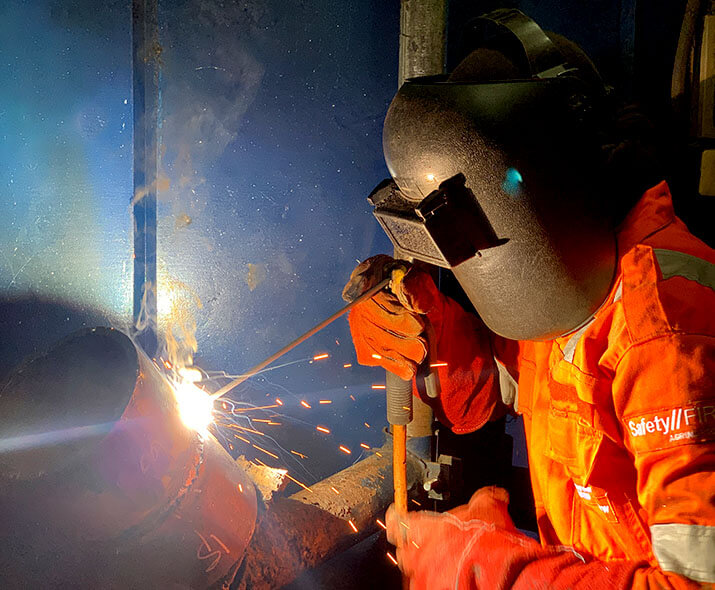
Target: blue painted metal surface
(146,51)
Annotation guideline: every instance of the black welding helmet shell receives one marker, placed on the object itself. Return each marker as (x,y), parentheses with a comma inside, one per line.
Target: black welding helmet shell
(540,258)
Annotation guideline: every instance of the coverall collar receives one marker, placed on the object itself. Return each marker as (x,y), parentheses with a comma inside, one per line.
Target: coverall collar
(651,213)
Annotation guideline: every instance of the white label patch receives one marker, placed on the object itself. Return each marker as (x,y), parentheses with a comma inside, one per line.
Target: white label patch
(673,426)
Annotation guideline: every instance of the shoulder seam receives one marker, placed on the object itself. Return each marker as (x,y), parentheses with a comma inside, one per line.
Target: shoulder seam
(661,335)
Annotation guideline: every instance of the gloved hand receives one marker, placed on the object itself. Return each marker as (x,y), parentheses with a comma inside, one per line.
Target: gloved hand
(477,547)
(389,330)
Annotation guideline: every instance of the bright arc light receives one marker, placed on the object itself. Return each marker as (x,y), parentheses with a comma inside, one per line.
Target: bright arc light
(195,406)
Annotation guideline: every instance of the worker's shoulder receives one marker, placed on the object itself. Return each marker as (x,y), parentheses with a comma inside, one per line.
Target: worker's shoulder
(668,285)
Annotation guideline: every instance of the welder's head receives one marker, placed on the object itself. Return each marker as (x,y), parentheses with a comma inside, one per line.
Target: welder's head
(516,130)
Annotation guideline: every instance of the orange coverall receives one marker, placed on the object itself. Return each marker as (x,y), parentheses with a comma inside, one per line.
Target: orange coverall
(620,415)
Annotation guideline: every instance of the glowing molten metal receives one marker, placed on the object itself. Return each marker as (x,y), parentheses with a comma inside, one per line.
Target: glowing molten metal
(195,406)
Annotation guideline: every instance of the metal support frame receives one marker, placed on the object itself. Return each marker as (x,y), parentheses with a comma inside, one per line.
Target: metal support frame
(146,52)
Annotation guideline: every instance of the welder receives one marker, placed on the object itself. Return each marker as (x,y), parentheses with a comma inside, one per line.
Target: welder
(596,320)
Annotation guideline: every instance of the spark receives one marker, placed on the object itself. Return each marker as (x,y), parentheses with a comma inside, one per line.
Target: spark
(320,357)
(344,449)
(378,453)
(264,450)
(325,401)
(305,404)
(261,420)
(438,364)
(274,423)
(364,446)
(168,365)
(406,408)
(323,429)
(240,488)
(301,455)
(415,501)
(251,430)
(243,439)
(376,356)
(302,485)
(366,425)
(241,410)
(352,397)
(392,558)
(352,526)
(404,524)
(378,386)
(382,524)
(430,177)
(335,490)
(415,544)
(278,401)
(347,365)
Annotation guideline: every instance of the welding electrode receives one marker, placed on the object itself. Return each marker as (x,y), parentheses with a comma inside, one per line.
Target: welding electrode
(314,330)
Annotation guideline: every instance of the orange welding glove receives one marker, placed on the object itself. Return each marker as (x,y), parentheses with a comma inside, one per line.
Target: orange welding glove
(386,332)
(477,547)
(389,330)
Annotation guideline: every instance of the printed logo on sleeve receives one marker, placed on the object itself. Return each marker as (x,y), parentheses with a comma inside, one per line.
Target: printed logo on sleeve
(674,426)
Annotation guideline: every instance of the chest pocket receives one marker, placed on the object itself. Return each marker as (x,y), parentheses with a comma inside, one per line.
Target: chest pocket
(573,439)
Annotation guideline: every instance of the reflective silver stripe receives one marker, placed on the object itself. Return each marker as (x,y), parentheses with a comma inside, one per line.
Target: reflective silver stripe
(508,386)
(619,292)
(687,549)
(678,264)
(570,348)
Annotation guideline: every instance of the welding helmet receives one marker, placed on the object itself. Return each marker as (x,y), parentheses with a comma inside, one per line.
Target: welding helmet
(498,181)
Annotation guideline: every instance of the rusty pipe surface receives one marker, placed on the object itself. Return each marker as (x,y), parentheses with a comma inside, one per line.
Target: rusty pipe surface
(102,485)
(308,528)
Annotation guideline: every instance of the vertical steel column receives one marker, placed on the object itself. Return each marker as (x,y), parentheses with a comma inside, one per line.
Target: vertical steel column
(423,26)
(146,53)
(627,38)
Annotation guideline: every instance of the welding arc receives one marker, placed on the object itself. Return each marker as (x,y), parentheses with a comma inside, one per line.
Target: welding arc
(314,330)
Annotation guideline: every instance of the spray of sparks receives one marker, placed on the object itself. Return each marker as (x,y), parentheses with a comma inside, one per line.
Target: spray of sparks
(243,427)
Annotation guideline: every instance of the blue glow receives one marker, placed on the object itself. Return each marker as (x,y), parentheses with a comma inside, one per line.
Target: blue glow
(512,182)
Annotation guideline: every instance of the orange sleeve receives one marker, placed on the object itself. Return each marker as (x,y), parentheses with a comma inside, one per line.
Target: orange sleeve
(468,375)
(664,396)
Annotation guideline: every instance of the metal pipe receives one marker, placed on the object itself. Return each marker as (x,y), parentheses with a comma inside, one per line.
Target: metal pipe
(101,483)
(301,532)
(423,26)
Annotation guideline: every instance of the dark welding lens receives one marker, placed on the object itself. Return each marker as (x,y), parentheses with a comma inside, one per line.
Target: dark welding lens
(446,228)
